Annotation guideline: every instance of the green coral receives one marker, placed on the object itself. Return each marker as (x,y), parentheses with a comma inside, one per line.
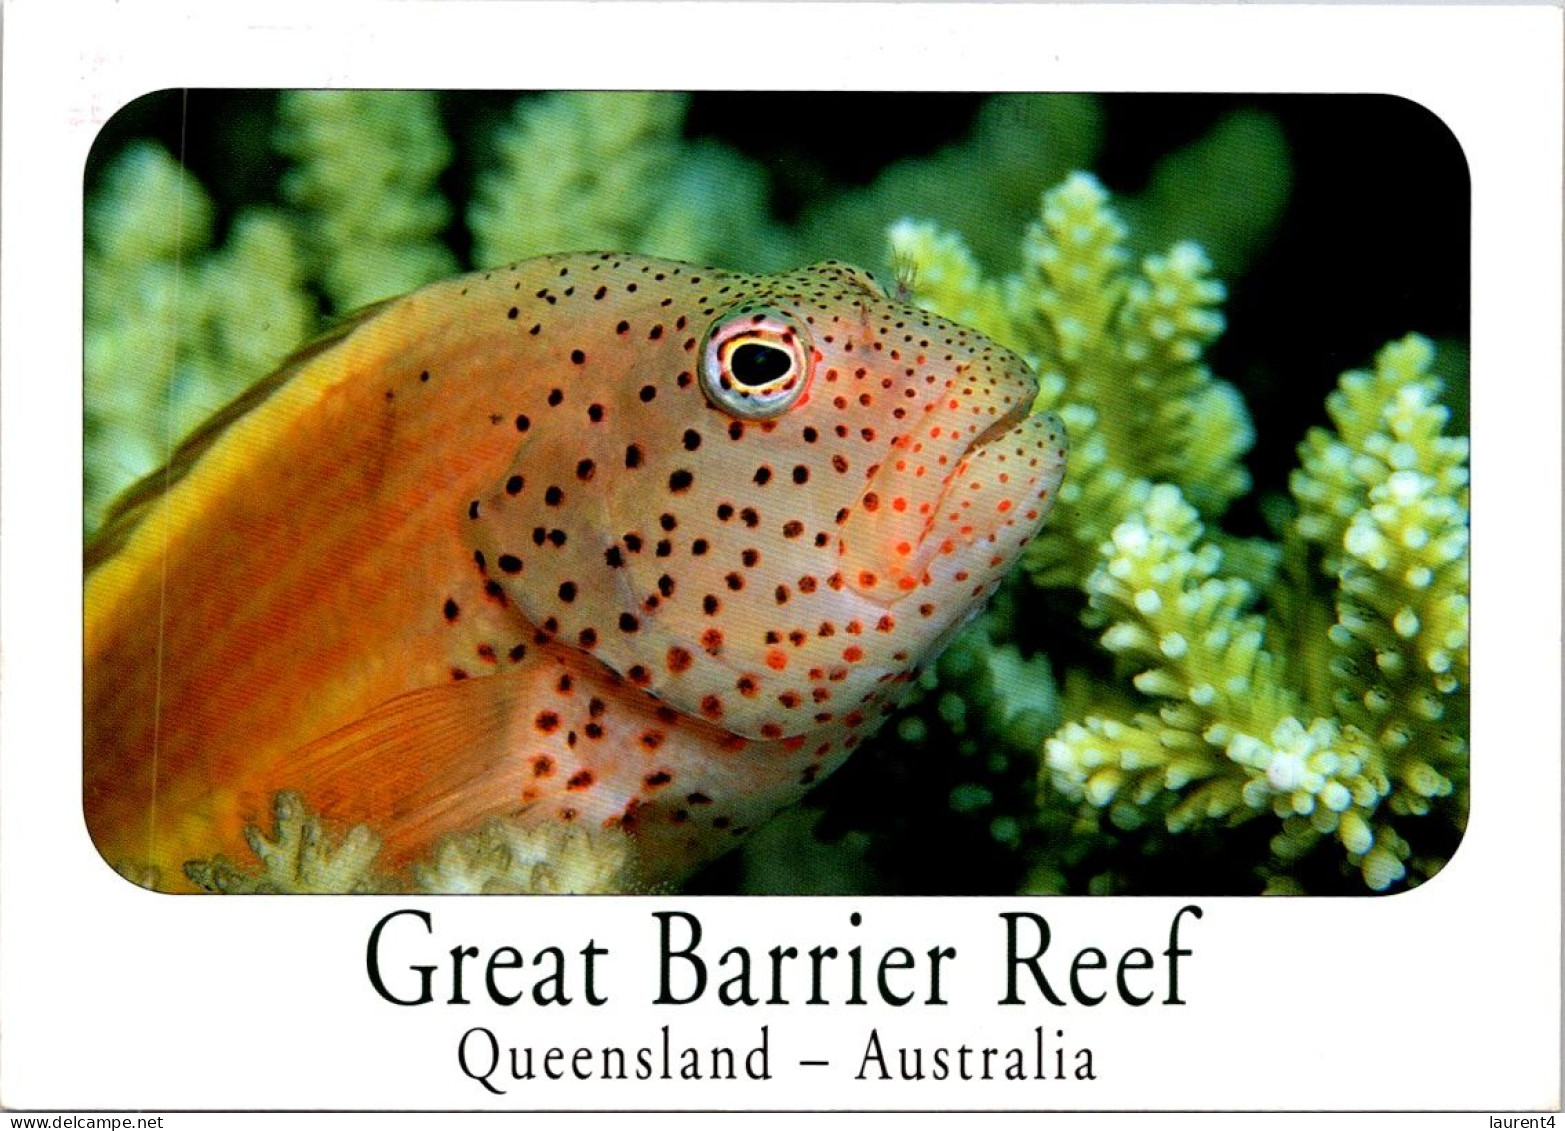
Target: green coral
(584,171)
(175,328)
(1225,191)
(363,182)
(1349,726)
(1118,349)
(1385,499)
(1016,143)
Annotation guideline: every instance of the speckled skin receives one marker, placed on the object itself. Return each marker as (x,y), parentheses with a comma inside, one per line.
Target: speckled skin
(511,546)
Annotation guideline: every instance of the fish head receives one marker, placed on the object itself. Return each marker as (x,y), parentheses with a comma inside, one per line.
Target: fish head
(773,497)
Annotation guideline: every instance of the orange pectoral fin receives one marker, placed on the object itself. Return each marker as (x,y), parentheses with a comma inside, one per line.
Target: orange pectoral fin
(420,766)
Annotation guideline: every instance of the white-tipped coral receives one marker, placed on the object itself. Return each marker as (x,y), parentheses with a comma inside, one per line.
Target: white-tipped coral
(1119,351)
(1365,723)
(300,857)
(540,859)
(1332,701)
(303,856)
(1385,499)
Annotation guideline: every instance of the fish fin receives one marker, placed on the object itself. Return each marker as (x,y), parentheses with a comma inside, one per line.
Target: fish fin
(419,766)
(128,510)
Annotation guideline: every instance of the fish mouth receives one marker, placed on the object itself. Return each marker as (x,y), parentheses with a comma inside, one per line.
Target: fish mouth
(1008,420)
(952,484)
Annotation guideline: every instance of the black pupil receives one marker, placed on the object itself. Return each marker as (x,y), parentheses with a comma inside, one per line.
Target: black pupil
(755,364)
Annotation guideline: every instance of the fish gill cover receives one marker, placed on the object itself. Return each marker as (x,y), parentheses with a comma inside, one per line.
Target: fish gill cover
(1236,658)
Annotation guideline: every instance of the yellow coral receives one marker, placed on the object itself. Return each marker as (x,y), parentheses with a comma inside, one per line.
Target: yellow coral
(1118,348)
(1244,728)
(1340,711)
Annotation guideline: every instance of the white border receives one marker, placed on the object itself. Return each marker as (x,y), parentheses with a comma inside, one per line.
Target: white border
(1443,998)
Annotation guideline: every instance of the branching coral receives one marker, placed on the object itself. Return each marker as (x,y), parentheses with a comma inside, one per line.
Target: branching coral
(1342,727)
(175,329)
(1118,352)
(589,170)
(1017,142)
(503,856)
(303,856)
(300,857)
(363,180)
(1359,726)
(1225,191)
(1386,501)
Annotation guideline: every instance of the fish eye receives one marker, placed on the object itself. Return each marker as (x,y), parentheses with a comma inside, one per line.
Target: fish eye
(755,363)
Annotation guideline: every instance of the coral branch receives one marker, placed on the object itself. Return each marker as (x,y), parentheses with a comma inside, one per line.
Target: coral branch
(365,166)
(174,329)
(1248,698)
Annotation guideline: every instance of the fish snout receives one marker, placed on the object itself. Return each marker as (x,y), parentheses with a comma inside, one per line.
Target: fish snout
(975,467)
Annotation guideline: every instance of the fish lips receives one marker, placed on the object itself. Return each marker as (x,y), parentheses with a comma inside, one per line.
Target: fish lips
(941,509)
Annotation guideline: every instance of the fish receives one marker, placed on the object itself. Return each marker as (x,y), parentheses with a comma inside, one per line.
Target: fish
(590,542)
